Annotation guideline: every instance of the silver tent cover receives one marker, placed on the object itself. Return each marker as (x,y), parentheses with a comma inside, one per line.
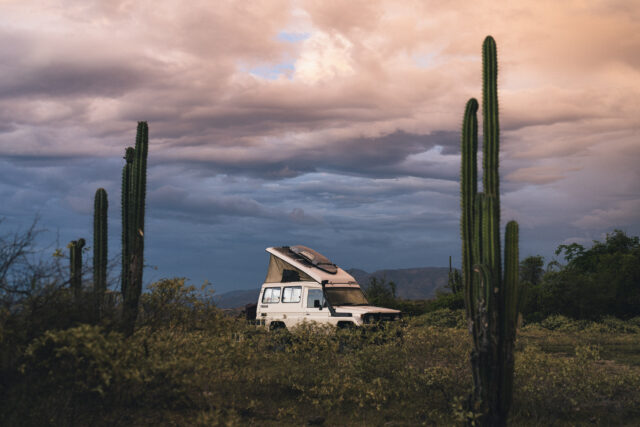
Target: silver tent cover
(315,258)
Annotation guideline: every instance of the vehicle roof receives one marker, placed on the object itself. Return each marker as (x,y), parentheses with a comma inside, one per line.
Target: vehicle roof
(340,277)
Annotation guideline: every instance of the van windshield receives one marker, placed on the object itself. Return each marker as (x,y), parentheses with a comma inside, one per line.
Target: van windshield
(345,296)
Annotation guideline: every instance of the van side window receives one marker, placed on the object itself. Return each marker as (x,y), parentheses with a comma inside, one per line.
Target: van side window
(291,293)
(313,295)
(271,295)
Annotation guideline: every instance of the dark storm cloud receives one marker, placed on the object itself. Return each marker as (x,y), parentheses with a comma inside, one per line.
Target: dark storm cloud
(67,67)
(178,201)
(380,157)
(71,79)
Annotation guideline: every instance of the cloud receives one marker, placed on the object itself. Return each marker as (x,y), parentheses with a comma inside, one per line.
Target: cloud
(622,214)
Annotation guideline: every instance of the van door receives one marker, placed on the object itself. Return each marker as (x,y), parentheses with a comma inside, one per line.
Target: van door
(315,307)
(291,305)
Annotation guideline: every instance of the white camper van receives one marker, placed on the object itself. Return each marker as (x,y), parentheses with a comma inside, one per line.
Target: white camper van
(304,286)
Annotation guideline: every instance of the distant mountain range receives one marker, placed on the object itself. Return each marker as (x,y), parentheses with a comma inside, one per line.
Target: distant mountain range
(411,283)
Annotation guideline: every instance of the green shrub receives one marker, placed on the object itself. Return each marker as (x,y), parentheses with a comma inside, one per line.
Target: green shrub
(66,371)
(447,300)
(614,325)
(558,322)
(573,389)
(444,318)
(171,303)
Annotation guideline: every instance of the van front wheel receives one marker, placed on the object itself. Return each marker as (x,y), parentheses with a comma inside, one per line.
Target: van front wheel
(346,325)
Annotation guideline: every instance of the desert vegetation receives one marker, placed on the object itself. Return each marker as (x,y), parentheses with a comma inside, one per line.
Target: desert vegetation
(188,364)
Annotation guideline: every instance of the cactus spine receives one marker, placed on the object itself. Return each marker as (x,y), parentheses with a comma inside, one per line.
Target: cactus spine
(100,247)
(134,183)
(490,298)
(75,264)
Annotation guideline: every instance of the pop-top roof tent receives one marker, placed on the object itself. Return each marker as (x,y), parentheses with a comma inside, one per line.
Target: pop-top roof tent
(300,263)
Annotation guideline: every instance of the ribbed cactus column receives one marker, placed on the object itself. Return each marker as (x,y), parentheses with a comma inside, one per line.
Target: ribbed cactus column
(134,184)
(125,196)
(75,265)
(100,247)
(490,298)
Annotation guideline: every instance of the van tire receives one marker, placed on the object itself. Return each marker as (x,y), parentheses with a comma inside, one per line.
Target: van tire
(277,325)
(346,325)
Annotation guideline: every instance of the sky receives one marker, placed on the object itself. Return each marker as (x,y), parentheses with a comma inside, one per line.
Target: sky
(331,124)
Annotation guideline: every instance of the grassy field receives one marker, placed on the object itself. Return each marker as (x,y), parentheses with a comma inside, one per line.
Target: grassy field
(221,371)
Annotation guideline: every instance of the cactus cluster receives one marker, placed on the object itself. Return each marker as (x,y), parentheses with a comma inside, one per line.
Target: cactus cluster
(75,264)
(490,297)
(134,183)
(100,247)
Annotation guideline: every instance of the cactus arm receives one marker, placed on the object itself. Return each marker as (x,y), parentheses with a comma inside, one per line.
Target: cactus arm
(468,182)
(511,265)
(491,146)
(468,190)
(490,116)
(511,299)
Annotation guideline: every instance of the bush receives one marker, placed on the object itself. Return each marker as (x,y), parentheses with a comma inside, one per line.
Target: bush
(444,318)
(576,390)
(558,322)
(66,371)
(447,300)
(614,325)
(171,303)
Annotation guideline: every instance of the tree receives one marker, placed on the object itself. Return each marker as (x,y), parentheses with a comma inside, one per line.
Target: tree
(531,269)
(24,271)
(380,292)
(603,280)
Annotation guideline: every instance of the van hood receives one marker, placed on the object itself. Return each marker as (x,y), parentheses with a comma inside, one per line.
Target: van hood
(363,309)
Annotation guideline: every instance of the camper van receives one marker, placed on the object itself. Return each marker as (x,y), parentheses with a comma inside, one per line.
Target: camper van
(304,286)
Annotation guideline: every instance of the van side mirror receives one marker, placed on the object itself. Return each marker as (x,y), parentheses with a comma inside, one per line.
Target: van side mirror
(316,304)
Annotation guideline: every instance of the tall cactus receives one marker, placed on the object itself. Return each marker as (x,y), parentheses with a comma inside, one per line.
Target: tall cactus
(75,267)
(100,247)
(490,298)
(134,184)
(125,196)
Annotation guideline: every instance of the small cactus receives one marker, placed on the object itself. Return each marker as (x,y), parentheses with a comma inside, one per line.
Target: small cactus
(100,247)
(75,264)
(454,281)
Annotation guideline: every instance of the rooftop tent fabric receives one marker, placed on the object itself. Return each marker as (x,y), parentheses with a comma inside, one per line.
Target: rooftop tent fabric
(280,271)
